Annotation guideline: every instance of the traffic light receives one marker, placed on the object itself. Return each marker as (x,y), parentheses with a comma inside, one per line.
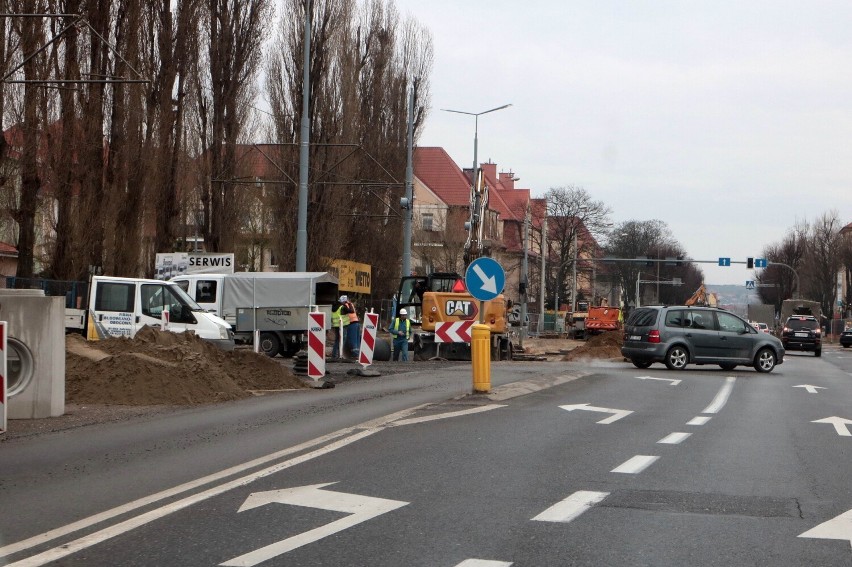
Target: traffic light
(750,263)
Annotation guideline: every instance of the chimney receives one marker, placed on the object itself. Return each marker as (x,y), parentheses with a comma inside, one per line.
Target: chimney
(507,180)
(490,170)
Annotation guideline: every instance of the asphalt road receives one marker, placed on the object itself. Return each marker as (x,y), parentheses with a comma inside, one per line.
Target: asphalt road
(700,467)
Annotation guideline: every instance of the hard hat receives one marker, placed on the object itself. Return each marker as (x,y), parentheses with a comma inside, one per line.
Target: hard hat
(344,298)
(403,312)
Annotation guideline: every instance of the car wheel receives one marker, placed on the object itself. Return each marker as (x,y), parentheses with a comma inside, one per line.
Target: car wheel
(818,352)
(641,363)
(846,346)
(676,358)
(269,344)
(765,360)
(727,366)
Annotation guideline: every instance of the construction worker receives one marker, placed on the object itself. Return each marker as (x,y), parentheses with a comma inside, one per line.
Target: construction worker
(400,330)
(336,323)
(352,331)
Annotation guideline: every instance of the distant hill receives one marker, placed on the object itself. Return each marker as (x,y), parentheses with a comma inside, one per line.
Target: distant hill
(733,294)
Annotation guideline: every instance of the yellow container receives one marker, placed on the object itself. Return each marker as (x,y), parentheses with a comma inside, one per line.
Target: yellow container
(480,354)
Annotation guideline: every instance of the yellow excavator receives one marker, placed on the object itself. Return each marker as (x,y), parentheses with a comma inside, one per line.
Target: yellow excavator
(441,297)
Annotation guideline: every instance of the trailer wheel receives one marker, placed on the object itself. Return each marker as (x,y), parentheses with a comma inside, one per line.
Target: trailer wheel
(269,344)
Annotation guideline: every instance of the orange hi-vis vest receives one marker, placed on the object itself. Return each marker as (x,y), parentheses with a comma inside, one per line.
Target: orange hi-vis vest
(353,317)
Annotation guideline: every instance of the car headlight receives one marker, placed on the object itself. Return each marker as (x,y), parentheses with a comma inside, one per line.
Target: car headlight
(224,333)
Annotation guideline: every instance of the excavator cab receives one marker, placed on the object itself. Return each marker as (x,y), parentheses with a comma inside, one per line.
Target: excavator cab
(412,288)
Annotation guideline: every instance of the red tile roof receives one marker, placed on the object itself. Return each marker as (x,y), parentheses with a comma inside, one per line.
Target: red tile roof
(435,168)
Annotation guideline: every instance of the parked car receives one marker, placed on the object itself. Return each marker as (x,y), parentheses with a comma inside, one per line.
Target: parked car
(763,328)
(802,332)
(681,335)
(846,338)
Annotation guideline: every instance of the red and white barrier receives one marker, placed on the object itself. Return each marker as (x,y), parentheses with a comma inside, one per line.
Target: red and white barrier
(368,338)
(457,332)
(316,345)
(3,379)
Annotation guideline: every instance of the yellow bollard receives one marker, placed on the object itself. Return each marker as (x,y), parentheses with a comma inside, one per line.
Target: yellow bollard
(480,355)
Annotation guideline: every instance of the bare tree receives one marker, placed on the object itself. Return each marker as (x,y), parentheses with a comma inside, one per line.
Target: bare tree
(574,218)
(782,279)
(823,259)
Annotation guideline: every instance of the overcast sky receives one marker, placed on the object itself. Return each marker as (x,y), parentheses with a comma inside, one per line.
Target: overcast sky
(728,120)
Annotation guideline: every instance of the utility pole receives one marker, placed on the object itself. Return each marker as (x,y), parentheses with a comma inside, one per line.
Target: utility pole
(543,278)
(525,275)
(408,202)
(304,144)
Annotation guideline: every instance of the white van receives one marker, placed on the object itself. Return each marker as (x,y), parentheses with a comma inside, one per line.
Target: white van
(121,306)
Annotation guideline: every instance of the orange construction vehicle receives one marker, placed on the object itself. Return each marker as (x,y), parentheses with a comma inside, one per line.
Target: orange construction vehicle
(602,319)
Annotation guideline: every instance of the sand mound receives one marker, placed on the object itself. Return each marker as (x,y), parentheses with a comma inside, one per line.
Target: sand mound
(604,346)
(165,368)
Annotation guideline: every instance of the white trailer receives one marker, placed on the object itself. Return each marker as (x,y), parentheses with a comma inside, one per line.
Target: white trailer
(276,304)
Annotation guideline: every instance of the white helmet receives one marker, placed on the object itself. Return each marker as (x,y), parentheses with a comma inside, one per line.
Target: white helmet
(403,312)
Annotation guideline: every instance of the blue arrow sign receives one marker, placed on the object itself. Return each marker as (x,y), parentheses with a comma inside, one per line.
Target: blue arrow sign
(760,262)
(724,261)
(485,279)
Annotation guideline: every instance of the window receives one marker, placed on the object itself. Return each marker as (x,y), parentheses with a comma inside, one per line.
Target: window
(674,319)
(427,222)
(205,291)
(642,317)
(113,296)
(155,298)
(731,324)
(701,320)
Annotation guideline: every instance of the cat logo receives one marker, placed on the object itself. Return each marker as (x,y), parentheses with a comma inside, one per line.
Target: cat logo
(462,308)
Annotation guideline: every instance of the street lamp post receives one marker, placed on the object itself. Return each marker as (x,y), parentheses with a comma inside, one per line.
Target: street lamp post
(475,201)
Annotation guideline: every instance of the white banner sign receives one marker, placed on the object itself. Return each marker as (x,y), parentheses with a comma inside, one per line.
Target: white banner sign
(169,265)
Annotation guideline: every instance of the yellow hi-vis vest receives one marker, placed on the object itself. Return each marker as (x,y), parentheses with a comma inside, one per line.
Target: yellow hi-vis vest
(336,318)
(395,329)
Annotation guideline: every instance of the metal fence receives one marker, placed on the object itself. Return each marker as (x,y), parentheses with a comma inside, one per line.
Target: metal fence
(75,293)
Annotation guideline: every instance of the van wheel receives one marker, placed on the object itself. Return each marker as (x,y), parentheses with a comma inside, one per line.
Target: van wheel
(818,352)
(641,363)
(765,360)
(676,358)
(727,366)
(269,344)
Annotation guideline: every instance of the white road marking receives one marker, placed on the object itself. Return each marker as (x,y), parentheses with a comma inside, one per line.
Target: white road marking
(617,413)
(483,563)
(673,381)
(700,420)
(839,527)
(722,397)
(839,423)
(447,415)
(809,388)
(635,465)
(571,507)
(360,509)
(674,438)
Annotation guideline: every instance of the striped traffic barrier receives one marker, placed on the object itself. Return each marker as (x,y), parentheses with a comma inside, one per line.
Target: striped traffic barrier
(368,339)
(316,345)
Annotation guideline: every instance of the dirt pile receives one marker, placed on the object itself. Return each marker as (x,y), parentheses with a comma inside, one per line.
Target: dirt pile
(604,346)
(165,368)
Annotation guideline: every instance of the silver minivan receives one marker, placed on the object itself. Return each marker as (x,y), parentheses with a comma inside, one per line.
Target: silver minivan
(681,335)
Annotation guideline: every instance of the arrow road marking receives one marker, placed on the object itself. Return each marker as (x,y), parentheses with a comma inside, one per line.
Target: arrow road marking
(839,527)
(571,507)
(617,413)
(673,382)
(839,424)
(488,284)
(360,508)
(809,388)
